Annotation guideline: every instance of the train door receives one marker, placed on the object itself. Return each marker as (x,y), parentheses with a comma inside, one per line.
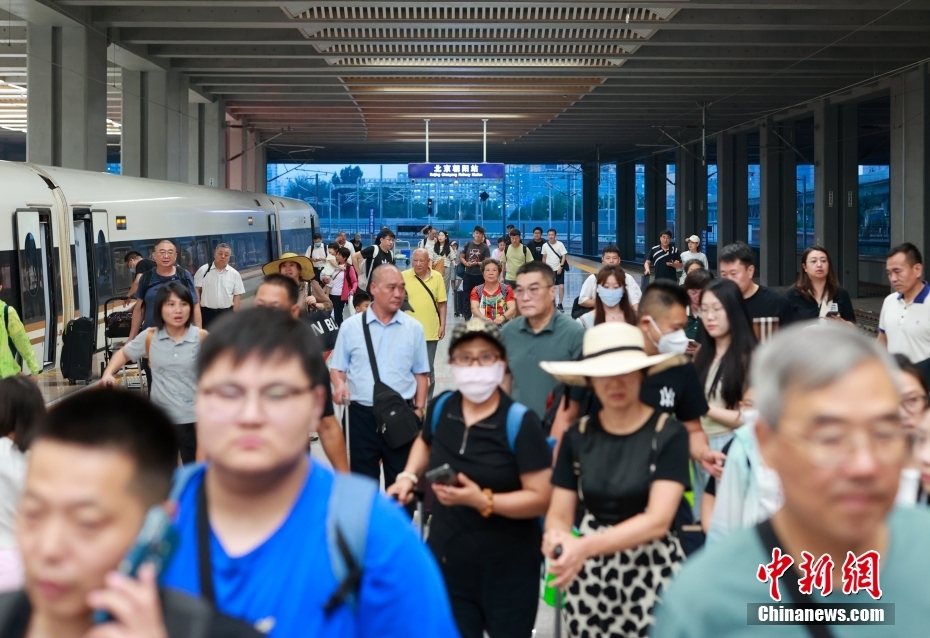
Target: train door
(273,244)
(36,264)
(85,282)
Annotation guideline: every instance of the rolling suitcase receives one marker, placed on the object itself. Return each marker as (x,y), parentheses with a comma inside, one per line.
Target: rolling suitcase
(77,352)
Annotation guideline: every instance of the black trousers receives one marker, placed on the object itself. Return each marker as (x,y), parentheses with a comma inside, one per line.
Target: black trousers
(209,315)
(492,588)
(368,449)
(187,442)
(468,283)
(339,307)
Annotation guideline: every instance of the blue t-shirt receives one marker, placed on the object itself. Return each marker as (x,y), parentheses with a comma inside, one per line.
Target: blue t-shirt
(282,585)
(156,281)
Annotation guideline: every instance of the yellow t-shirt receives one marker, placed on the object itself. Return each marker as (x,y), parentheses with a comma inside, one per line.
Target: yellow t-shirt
(424,310)
(516,256)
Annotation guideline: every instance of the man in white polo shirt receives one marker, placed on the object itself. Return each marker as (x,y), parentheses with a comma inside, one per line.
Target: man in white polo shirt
(219,286)
(610,257)
(904,325)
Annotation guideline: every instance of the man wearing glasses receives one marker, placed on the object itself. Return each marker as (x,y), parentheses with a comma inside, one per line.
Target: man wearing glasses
(255,523)
(540,333)
(830,426)
(166,270)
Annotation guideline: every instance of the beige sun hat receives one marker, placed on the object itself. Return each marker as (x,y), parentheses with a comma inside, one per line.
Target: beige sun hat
(609,350)
(306,266)
(693,239)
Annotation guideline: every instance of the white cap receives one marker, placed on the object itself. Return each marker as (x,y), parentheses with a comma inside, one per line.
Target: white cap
(693,239)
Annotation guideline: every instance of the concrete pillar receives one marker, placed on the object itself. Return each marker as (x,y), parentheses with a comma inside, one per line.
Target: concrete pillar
(778,205)
(726,196)
(910,158)
(154,138)
(827,179)
(848,261)
(626,209)
(214,144)
(589,196)
(656,176)
(66,67)
(690,194)
(195,149)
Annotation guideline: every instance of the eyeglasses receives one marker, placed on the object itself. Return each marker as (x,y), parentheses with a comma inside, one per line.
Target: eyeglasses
(229,399)
(915,404)
(832,447)
(165,253)
(533,291)
(484,359)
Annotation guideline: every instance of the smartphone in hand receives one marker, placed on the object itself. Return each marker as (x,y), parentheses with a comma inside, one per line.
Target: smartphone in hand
(443,475)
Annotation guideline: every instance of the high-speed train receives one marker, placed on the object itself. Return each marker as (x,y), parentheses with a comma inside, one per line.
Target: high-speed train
(64,234)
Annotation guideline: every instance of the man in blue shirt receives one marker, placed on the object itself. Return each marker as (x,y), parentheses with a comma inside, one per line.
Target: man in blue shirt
(399,345)
(261,508)
(166,270)
(829,424)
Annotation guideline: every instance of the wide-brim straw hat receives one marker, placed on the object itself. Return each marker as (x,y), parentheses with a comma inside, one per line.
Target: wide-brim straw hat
(609,350)
(306,266)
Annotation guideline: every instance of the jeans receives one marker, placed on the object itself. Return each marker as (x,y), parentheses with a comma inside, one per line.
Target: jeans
(338,308)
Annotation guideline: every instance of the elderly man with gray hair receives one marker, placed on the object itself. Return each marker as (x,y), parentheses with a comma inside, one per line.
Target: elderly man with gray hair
(829,425)
(219,286)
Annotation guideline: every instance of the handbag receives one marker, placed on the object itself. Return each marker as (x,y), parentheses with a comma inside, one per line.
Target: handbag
(440,266)
(394,419)
(565,266)
(324,327)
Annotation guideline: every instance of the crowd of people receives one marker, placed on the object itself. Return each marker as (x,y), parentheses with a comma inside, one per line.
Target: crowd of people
(661,455)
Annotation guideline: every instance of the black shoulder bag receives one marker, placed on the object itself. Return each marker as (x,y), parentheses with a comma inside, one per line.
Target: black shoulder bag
(770,541)
(431,296)
(394,418)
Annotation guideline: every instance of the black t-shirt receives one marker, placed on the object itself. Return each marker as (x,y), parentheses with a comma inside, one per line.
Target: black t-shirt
(614,469)
(483,454)
(537,248)
(660,258)
(768,303)
(804,307)
(675,389)
(145,265)
(475,252)
(372,261)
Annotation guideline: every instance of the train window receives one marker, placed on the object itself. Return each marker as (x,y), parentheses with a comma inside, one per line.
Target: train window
(31,275)
(104,279)
(122,278)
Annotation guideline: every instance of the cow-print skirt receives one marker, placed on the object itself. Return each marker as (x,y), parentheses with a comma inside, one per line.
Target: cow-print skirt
(614,595)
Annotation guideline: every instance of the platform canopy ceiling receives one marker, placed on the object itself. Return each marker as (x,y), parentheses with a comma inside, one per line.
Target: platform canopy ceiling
(558,80)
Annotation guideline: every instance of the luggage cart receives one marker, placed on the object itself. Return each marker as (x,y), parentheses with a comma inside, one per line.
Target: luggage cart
(116,328)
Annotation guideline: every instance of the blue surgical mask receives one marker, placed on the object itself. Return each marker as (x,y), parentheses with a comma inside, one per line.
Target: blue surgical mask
(610,297)
(132,271)
(318,244)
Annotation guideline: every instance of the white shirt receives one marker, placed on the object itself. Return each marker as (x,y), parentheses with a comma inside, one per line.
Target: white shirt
(218,286)
(907,326)
(690,256)
(317,255)
(589,289)
(553,254)
(339,277)
(12,475)
(497,254)
(351,248)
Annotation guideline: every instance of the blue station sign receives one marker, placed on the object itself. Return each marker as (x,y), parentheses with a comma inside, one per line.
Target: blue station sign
(455,171)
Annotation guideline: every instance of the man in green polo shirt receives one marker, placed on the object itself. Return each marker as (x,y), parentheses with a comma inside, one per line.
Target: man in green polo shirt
(540,333)
(426,295)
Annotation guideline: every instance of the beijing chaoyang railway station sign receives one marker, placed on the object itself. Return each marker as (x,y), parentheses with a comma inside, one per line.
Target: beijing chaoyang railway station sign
(455,171)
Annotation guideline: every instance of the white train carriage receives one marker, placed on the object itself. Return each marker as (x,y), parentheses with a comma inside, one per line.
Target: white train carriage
(100,217)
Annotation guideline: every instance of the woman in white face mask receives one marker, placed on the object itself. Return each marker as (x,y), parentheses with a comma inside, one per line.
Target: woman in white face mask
(485,531)
(612,303)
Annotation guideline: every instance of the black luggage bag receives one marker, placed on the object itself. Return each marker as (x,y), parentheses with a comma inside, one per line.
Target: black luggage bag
(77,352)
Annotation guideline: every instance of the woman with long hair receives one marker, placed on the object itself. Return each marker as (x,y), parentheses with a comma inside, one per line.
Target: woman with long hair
(817,289)
(171,348)
(722,362)
(695,283)
(611,303)
(443,249)
(21,409)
